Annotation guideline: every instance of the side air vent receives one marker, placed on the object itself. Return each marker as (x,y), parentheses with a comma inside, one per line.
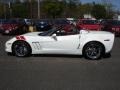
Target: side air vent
(36,45)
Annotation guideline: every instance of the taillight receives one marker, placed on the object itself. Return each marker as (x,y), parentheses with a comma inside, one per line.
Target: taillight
(20,38)
(113,29)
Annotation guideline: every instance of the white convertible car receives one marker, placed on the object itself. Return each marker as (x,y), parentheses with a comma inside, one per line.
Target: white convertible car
(91,44)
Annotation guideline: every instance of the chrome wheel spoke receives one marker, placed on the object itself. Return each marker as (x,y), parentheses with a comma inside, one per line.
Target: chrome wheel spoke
(93,51)
(20,49)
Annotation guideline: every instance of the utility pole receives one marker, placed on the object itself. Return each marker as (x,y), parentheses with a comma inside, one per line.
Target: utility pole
(30,7)
(38,9)
(10,9)
(5,11)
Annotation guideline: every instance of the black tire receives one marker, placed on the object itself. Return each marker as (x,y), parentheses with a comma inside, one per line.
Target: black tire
(21,49)
(93,51)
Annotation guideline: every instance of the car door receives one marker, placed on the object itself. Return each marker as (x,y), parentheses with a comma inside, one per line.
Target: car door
(60,44)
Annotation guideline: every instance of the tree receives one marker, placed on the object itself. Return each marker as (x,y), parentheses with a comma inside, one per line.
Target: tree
(20,10)
(53,8)
(99,11)
(72,8)
(109,8)
(1,10)
(85,9)
(56,8)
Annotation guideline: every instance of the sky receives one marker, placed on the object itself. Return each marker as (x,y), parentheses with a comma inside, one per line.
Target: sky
(116,3)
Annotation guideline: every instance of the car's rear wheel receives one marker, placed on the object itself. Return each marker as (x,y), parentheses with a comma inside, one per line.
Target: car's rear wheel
(21,49)
(93,50)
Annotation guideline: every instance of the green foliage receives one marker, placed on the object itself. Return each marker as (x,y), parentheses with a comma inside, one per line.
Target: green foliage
(56,8)
(1,10)
(4,11)
(53,8)
(85,9)
(20,10)
(98,11)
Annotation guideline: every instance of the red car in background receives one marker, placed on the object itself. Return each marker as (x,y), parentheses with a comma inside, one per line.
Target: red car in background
(88,24)
(10,27)
(62,23)
(111,26)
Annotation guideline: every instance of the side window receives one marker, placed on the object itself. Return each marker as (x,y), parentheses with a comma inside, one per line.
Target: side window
(72,31)
(61,33)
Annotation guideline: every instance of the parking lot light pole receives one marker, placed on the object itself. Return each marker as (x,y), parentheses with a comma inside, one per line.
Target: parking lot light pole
(10,9)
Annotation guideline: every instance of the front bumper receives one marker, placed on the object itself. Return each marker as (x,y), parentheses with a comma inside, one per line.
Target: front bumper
(8,47)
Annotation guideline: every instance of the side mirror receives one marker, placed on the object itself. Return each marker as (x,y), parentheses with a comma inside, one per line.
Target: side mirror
(54,36)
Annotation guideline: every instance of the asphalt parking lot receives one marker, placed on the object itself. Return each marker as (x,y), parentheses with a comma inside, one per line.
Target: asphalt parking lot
(61,72)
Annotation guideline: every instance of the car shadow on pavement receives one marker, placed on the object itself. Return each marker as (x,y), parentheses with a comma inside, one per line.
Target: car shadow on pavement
(108,55)
(59,56)
(56,55)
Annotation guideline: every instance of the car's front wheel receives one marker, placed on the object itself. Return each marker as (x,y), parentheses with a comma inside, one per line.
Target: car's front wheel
(93,50)
(21,49)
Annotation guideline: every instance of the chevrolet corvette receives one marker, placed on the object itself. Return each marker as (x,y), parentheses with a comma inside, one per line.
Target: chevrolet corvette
(91,44)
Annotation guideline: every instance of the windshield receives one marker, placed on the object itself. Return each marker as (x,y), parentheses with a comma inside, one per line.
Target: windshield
(90,21)
(48,33)
(111,22)
(115,22)
(64,22)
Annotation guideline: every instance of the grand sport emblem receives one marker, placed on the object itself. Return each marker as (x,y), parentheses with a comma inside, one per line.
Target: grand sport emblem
(91,44)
